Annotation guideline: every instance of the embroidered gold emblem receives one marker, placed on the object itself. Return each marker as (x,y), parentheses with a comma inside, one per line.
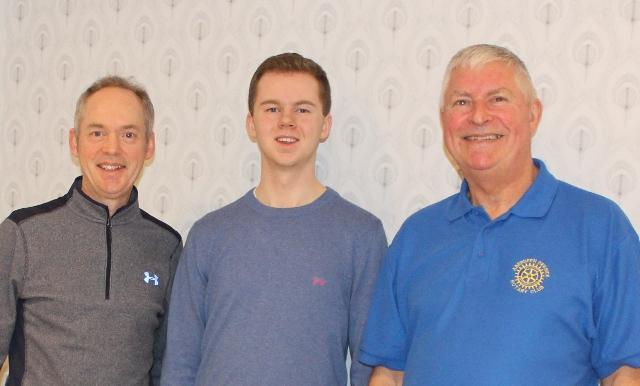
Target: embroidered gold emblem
(529,275)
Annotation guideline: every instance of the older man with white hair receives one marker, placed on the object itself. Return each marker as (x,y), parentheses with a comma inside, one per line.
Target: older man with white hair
(518,279)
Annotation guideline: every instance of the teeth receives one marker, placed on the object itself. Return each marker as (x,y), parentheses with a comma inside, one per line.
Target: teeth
(488,137)
(286,139)
(111,167)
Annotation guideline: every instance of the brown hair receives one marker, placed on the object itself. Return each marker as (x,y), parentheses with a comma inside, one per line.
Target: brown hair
(292,62)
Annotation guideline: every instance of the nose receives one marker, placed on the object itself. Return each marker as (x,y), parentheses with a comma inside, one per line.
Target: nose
(111,144)
(479,114)
(286,119)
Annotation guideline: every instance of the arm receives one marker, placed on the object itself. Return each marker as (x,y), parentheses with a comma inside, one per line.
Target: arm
(624,376)
(371,247)
(11,268)
(616,345)
(187,319)
(160,339)
(385,343)
(383,376)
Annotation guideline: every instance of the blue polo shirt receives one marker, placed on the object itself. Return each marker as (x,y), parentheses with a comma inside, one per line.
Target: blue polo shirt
(546,294)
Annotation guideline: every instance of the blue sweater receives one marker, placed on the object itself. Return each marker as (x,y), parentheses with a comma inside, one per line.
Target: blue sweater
(267,296)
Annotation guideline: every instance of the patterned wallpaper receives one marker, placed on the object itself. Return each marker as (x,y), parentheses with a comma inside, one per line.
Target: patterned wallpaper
(385,60)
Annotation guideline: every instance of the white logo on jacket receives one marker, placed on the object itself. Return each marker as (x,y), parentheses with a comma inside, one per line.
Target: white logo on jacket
(148,278)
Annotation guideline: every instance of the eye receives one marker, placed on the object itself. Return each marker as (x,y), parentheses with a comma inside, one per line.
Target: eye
(271,109)
(130,135)
(499,98)
(303,110)
(460,102)
(97,133)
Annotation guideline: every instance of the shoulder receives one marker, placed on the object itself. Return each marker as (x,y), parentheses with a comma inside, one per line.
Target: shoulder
(222,219)
(161,226)
(20,215)
(430,215)
(581,196)
(588,206)
(351,220)
(348,211)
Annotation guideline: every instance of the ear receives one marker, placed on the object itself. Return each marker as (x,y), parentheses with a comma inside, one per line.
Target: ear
(535,116)
(326,127)
(73,142)
(250,127)
(151,146)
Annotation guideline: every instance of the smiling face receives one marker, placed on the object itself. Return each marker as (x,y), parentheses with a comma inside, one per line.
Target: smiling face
(111,145)
(287,121)
(488,121)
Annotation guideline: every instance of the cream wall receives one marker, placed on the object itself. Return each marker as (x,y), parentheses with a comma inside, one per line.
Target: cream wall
(385,60)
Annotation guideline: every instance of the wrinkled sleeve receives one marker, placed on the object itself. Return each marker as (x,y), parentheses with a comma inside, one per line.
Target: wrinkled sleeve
(11,270)
(160,339)
(617,309)
(384,341)
(186,319)
(372,247)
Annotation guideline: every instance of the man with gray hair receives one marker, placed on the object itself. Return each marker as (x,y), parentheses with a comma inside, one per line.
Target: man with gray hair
(519,279)
(85,278)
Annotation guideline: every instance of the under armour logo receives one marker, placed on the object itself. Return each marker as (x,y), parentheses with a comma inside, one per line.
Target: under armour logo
(155,279)
(318,281)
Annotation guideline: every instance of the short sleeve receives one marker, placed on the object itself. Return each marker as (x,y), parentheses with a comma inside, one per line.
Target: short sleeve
(617,309)
(385,336)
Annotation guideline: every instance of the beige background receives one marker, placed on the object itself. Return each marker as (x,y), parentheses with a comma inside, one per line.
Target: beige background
(385,60)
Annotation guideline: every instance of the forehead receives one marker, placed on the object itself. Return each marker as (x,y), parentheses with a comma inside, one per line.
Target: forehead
(113,102)
(492,75)
(288,85)
(112,93)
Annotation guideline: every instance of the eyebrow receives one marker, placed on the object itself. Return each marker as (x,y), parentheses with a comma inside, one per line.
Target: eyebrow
(101,126)
(499,90)
(491,92)
(296,103)
(95,126)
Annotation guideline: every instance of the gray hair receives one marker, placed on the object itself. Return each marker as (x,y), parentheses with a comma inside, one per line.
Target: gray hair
(480,54)
(120,82)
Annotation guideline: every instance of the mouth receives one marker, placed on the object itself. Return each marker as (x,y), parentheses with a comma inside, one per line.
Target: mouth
(286,140)
(485,137)
(111,167)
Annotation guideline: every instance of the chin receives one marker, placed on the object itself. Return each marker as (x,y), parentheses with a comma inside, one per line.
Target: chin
(478,167)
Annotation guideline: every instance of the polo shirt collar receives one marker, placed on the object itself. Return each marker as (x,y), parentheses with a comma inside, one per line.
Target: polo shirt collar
(534,203)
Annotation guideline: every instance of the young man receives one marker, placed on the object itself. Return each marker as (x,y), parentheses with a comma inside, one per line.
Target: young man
(85,278)
(519,279)
(273,288)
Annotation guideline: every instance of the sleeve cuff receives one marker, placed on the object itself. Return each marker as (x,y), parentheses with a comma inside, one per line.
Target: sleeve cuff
(374,360)
(609,368)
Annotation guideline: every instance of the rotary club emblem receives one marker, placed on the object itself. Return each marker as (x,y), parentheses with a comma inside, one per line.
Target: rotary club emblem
(529,275)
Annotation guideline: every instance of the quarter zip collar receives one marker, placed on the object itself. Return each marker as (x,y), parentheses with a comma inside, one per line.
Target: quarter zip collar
(94,211)
(90,209)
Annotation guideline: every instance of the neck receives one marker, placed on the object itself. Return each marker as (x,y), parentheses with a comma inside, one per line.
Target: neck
(498,194)
(114,206)
(288,190)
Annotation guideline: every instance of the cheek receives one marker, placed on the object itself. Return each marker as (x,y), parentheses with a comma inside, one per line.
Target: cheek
(450,129)
(86,151)
(453,121)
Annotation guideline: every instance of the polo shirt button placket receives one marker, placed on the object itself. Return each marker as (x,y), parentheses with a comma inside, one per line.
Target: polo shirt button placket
(480,247)
(475,275)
